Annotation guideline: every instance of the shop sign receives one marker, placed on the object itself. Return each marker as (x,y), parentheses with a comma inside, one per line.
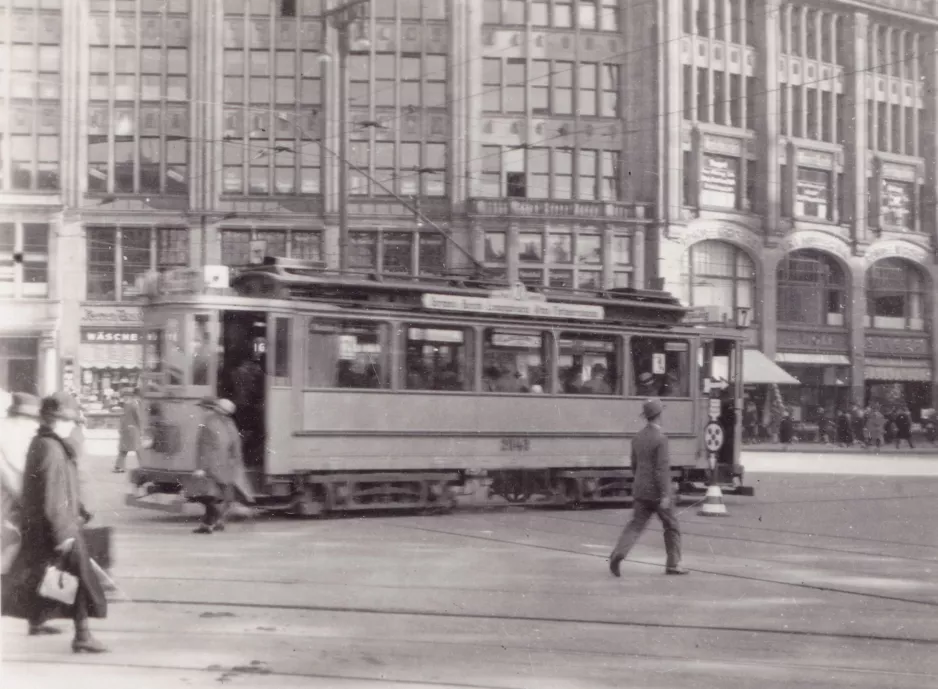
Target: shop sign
(901,249)
(113,336)
(812,191)
(815,159)
(722,144)
(127,316)
(896,203)
(718,181)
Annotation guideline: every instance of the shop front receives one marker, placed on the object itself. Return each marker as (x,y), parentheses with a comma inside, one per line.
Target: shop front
(825,384)
(28,360)
(898,372)
(109,362)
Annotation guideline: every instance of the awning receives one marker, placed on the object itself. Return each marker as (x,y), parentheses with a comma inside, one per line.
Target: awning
(812,358)
(758,369)
(906,374)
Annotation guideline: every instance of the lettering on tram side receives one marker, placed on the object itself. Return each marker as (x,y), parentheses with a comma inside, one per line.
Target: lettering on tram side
(516,444)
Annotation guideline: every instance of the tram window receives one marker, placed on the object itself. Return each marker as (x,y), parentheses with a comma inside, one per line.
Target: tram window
(175,351)
(589,364)
(282,351)
(346,354)
(660,367)
(437,359)
(201,350)
(514,361)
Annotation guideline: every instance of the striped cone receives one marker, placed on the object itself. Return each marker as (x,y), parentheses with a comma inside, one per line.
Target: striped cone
(713,504)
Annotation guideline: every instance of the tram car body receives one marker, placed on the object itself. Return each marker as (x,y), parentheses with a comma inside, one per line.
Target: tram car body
(355,393)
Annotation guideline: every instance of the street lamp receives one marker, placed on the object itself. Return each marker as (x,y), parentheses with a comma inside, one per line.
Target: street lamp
(342,18)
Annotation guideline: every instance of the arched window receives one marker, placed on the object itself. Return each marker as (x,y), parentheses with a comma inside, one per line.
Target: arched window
(895,295)
(717,274)
(812,289)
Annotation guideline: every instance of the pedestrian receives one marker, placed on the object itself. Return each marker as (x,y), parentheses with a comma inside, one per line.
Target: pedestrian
(750,422)
(876,427)
(651,492)
(220,476)
(858,419)
(52,532)
(129,431)
(903,423)
(16,433)
(786,430)
(844,429)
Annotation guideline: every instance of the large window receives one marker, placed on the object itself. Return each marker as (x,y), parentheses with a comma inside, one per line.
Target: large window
(563,258)
(24,260)
(813,194)
(895,296)
(397,252)
(138,111)
(119,256)
(346,354)
(550,173)
(272,94)
(717,274)
(30,122)
(514,361)
(437,358)
(588,15)
(812,289)
(302,244)
(660,367)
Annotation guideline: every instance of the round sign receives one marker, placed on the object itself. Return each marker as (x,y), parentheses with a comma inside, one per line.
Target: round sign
(713,437)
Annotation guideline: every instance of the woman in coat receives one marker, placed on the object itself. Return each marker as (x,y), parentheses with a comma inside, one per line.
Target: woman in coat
(903,423)
(129,431)
(220,477)
(16,434)
(52,520)
(876,427)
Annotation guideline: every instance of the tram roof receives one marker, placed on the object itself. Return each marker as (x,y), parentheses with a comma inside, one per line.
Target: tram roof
(292,279)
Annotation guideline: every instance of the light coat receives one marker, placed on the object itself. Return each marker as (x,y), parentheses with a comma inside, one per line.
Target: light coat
(130,426)
(876,425)
(651,465)
(16,433)
(218,454)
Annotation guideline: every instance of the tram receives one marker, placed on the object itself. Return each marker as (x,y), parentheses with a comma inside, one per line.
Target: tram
(361,392)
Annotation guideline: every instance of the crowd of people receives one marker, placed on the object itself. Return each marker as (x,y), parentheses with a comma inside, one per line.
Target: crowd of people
(867,427)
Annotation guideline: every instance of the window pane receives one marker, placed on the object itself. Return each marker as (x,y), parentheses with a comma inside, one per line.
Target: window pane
(102,270)
(589,249)
(397,248)
(588,364)
(495,246)
(437,359)
(135,250)
(346,354)
(660,367)
(531,247)
(514,361)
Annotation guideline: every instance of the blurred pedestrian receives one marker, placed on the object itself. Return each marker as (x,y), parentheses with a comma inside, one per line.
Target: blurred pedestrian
(16,433)
(844,429)
(52,532)
(858,419)
(750,422)
(876,427)
(220,477)
(786,429)
(651,492)
(903,423)
(129,431)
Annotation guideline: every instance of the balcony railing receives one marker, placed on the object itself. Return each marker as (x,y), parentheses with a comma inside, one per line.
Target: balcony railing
(561,209)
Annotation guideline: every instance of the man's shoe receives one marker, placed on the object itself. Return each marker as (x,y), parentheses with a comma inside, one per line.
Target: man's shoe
(614,563)
(203,529)
(88,644)
(676,570)
(43,630)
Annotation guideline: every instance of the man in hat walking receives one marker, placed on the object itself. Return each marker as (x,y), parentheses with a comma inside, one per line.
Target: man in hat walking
(220,474)
(651,492)
(16,433)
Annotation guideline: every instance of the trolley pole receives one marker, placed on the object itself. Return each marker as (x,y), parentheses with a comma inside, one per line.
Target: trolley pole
(342,17)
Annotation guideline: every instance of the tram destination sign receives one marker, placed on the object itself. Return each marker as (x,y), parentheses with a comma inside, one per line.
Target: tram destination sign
(513,307)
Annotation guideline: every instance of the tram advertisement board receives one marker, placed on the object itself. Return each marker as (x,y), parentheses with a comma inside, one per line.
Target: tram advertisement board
(512,307)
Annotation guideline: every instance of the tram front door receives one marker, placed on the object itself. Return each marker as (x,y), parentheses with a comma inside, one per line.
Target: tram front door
(241,366)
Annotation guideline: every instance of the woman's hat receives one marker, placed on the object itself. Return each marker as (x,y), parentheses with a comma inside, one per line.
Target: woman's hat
(24,404)
(221,405)
(59,407)
(646,378)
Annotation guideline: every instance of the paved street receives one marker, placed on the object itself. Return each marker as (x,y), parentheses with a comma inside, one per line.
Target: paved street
(827,579)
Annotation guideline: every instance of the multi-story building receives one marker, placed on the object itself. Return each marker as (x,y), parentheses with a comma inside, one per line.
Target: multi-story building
(569,143)
(799,177)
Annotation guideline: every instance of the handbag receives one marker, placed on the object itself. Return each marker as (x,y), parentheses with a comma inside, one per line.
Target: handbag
(59,585)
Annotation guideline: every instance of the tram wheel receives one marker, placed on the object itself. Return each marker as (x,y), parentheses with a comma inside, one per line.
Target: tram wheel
(308,503)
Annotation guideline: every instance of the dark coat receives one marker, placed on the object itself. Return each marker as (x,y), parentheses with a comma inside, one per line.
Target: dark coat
(903,426)
(651,465)
(844,429)
(218,454)
(51,513)
(786,430)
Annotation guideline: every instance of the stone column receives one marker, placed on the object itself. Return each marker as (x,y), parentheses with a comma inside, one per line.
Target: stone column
(74,115)
(670,106)
(768,196)
(930,124)
(855,150)
(933,335)
(49,364)
(767,302)
(857,332)
(638,252)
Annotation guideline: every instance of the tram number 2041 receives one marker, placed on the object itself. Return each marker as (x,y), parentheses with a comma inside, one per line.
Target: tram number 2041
(516,444)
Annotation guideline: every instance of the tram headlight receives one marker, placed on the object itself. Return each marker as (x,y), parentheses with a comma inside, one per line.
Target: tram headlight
(146,440)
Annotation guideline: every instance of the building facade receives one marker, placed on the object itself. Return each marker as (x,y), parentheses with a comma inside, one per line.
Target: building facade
(725,149)
(797,155)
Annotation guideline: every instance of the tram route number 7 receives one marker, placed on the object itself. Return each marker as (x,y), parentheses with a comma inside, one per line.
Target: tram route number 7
(516,444)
